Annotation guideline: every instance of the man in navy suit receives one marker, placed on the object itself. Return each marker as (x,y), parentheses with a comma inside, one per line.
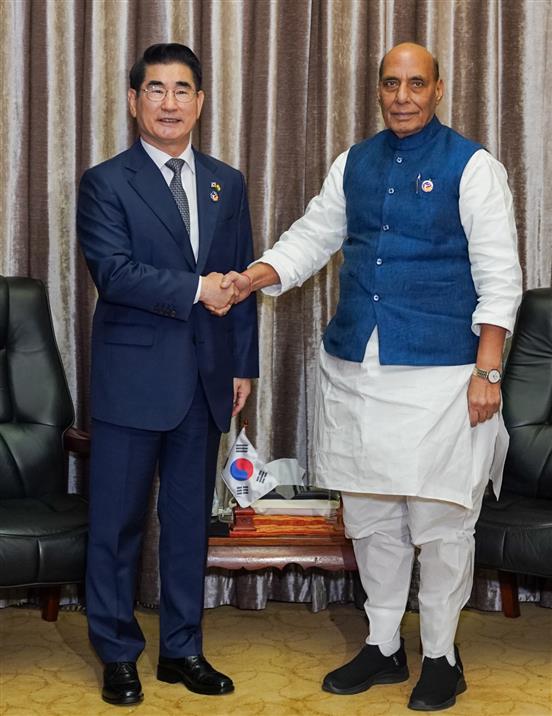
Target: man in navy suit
(159,225)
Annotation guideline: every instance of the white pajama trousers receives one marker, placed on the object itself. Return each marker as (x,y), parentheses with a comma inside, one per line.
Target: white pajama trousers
(385,530)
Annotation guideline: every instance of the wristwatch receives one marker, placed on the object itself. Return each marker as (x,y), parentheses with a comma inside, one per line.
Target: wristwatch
(493,375)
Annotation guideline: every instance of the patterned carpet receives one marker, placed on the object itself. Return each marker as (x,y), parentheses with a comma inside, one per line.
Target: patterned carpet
(277,658)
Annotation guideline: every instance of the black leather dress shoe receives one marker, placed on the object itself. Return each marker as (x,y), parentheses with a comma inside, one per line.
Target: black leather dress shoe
(195,673)
(369,667)
(121,685)
(439,684)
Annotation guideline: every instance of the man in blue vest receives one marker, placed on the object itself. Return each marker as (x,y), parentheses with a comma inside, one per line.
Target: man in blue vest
(407,421)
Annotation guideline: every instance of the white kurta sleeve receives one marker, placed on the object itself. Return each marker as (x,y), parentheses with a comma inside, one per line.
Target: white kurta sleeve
(487,215)
(309,243)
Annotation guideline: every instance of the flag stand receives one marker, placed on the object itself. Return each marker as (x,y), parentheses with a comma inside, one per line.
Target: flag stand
(242,525)
(257,517)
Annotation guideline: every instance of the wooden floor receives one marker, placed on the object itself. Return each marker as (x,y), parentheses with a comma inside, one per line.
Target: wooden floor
(277,658)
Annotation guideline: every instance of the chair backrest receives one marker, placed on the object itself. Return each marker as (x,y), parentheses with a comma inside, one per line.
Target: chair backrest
(35,403)
(527,394)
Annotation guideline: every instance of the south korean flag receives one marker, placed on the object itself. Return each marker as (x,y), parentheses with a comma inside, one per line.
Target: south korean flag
(244,474)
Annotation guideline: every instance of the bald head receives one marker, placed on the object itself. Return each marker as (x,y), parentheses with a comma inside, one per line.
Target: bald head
(412,46)
(409,88)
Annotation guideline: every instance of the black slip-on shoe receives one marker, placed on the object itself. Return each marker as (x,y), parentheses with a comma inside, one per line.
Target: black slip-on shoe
(121,685)
(369,667)
(195,673)
(439,684)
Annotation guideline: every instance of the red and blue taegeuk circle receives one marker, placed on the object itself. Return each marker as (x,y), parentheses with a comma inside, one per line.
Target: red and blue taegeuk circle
(241,469)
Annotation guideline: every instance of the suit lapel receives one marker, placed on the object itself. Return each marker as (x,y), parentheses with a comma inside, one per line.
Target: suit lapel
(207,209)
(148,182)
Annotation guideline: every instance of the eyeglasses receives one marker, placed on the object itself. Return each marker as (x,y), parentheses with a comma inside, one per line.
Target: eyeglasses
(158,94)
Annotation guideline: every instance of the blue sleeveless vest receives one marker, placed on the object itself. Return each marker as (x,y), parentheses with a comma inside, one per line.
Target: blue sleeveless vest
(406,267)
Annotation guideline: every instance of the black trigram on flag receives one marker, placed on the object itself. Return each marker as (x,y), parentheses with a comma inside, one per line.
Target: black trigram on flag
(242,490)
(241,448)
(261,476)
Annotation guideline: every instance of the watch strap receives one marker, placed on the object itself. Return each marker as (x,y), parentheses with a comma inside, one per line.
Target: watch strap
(480,373)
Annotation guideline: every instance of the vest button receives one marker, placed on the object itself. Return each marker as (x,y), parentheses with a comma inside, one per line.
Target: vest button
(399,160)
(379,262)
(385,227)
(390,190)
(376,297)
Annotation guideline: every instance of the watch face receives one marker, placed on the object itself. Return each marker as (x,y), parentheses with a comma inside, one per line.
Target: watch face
(494,376)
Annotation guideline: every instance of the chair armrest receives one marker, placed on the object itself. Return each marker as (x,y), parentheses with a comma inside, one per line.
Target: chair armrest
(77,441)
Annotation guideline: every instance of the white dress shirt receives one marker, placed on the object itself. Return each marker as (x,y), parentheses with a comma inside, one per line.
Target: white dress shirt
(188,176)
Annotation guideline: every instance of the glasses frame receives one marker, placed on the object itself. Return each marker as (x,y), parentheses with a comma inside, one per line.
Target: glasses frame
(157,88)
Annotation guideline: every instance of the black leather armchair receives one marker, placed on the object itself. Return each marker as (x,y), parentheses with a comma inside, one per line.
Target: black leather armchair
(514,534)
(42,528)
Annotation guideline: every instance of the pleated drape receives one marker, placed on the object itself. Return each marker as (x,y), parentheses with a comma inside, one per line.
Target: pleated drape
(289,85)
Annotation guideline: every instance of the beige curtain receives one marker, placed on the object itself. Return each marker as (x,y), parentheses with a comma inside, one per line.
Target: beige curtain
(289,85)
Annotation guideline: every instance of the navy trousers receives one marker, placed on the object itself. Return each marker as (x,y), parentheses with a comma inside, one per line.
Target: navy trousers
(122,467)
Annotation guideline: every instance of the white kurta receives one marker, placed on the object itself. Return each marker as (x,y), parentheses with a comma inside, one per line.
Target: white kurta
(401,430)
(404,430)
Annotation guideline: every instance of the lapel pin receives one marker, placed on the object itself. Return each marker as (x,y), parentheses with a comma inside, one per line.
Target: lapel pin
(214,196)
(427,185)
(215,185)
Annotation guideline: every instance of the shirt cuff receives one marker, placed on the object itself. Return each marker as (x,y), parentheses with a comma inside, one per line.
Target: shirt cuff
(492,320)
(198,292)
(278,264)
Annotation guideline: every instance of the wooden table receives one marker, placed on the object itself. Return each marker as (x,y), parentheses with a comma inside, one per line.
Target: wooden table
(332,553)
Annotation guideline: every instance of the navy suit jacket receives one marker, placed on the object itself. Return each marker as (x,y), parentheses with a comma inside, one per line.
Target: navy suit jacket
(150,342)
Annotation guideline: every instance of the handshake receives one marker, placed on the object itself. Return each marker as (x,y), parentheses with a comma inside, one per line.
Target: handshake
(219,292)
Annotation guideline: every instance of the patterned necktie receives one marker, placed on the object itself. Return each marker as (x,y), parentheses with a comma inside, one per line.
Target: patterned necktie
(175,165)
